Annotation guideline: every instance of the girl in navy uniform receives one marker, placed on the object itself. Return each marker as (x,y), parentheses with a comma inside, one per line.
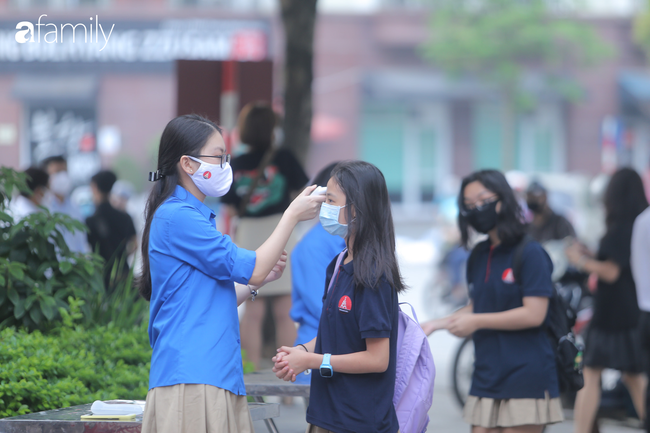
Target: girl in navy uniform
(354,353)
(514,385)
(189,271)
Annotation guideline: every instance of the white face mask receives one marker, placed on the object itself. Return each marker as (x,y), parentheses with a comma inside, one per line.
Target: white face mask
(60,184)
(211,179)
(329,219)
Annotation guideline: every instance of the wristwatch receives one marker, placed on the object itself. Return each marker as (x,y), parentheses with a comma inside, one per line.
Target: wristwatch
(326,369)
(253,292)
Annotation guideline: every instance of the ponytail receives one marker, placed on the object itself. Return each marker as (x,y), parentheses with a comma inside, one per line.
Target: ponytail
(161,192)
(184,135)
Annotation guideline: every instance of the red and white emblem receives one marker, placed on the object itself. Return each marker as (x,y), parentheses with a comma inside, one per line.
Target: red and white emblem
(207,175)
(345,304)
(508,276)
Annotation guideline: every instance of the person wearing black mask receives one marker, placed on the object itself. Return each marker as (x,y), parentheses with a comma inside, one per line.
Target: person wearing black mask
(546,224)
(514,385)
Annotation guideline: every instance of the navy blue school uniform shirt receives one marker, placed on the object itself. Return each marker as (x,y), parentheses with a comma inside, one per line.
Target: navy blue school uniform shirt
(511,364)
(355,403)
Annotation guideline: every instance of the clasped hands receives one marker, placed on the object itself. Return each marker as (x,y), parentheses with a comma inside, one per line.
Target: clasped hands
(290,362)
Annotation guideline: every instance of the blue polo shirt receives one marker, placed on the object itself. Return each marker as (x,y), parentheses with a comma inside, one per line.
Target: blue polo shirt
(309,260)
(193,326)
(511,364)
(355,403)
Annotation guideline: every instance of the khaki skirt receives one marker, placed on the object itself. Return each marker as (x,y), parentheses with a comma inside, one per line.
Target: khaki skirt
(191,408)
(493,413)
(251,233)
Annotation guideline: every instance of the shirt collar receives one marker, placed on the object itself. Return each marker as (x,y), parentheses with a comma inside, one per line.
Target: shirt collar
(184,195)
(348,267)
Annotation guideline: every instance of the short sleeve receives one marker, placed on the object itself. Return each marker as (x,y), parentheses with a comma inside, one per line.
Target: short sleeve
(292,170)
(616,246)
(195,240)
(375,312)
(536,270)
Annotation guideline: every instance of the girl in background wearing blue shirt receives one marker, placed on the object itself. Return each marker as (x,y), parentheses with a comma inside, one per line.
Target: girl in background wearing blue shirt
(196,380)
(353,392)
(514,385)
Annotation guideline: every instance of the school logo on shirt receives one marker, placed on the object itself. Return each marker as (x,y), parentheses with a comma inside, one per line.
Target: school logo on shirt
(345,304)
(508,276)
(207,175)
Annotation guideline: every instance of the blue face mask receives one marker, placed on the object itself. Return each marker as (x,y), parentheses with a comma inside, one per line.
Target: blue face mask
(329,219)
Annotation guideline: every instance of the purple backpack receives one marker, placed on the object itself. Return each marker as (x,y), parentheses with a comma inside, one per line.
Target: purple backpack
(415,375)
(415,371)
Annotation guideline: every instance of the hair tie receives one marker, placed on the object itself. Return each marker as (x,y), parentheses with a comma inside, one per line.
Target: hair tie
(155,175)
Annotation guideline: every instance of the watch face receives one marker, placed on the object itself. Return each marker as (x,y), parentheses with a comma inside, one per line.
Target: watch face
(326,372)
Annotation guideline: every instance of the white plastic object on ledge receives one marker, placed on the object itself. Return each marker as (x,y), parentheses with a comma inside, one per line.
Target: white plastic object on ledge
(101,408)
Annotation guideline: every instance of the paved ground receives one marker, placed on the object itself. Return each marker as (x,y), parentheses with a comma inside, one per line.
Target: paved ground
(445,417)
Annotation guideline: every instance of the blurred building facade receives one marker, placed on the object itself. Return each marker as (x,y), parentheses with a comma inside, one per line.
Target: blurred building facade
(375,98)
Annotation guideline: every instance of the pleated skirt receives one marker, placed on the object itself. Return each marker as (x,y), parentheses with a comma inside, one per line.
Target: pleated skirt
(193,408)
(493,413)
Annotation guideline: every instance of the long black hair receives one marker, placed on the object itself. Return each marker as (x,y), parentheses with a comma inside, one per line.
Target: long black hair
(371,225)
(510,223)
(184,135)
(624,198)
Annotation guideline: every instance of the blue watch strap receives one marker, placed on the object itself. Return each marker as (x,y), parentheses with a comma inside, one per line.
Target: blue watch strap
(326,369)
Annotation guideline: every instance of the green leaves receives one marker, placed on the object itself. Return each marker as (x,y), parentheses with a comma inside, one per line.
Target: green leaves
(500,42)
(73,366)
(16,270)
(38,272)
(11,184)
(13,296)
(65,267)
(641,30)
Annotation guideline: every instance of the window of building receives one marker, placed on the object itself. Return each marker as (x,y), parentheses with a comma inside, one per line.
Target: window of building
(410,144)
(539,144)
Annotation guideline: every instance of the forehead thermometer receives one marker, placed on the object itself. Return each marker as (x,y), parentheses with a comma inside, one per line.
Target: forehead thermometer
(321,190)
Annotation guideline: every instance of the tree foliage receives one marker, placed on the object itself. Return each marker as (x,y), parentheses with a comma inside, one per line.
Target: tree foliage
(641,29)
(500,41)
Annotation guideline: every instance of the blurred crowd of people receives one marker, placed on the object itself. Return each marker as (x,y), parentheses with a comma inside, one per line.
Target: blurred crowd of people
(111,232)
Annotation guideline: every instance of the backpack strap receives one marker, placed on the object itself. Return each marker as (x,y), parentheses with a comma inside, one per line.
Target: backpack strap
(415,316)
(518,257)
(336,268)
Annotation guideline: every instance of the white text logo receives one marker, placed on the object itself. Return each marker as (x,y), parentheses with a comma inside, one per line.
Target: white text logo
(53,34)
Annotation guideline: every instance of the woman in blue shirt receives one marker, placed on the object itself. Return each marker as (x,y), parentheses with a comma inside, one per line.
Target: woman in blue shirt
(188,274)
(356,344)
(514,385)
